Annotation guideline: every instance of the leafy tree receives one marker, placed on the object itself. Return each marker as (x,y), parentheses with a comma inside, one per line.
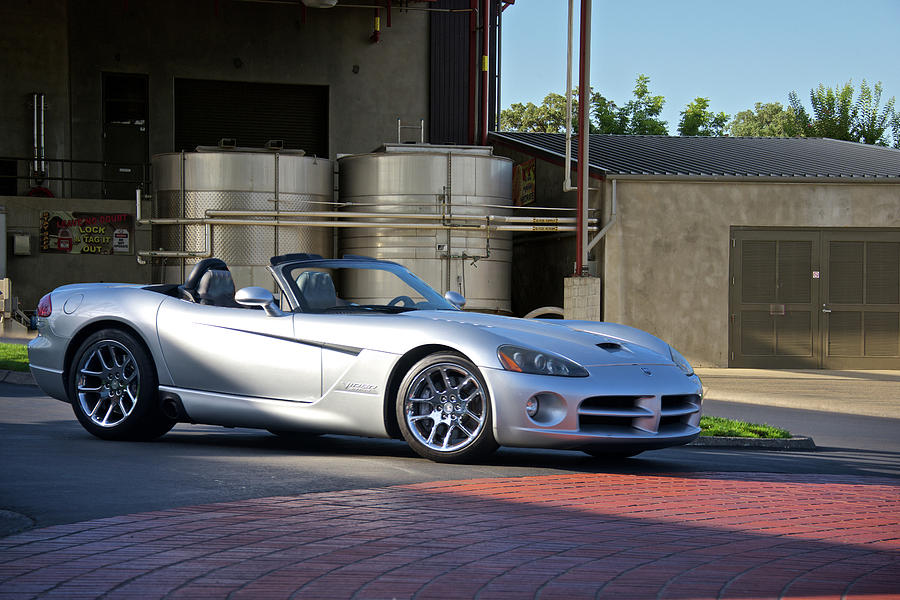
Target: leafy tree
(764,120)
(641,115)
(608,117)
(549,117)
(870,124)
(834,113)
(697,119)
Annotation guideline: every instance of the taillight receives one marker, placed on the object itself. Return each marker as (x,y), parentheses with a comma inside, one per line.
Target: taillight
(44,307)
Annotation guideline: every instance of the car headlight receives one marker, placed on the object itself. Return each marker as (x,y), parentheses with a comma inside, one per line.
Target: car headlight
(525,360)
(680,361)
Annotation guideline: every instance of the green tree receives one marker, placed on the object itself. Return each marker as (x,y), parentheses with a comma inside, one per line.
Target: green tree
(764,120)
(549,117)
(641,114)
(871,125)
(607,116)
(697,119)
(833,112)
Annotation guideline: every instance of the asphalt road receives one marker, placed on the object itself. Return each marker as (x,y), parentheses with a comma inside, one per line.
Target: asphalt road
(53,472)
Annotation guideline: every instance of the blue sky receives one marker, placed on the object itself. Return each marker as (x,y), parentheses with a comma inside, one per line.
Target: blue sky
(734,53)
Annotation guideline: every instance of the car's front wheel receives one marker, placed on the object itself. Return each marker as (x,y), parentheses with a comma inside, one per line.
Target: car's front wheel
(444,409)
(113,388)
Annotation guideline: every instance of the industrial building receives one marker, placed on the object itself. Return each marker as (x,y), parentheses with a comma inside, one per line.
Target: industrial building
(252,128)
(743,252)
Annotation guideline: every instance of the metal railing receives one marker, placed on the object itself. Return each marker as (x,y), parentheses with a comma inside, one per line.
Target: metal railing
(88,177)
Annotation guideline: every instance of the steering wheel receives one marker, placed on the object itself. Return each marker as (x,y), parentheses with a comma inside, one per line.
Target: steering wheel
(406,300)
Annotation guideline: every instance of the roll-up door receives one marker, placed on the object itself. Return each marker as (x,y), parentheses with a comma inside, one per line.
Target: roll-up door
(251,113)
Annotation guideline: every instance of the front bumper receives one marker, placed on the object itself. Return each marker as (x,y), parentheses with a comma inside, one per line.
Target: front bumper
(615,407)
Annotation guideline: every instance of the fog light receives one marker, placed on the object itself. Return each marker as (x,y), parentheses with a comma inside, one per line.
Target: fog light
(531,406)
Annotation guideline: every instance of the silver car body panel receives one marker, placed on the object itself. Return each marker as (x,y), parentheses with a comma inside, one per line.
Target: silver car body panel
(331,373)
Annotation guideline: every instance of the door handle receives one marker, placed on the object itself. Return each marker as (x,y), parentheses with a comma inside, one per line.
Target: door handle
(826,310)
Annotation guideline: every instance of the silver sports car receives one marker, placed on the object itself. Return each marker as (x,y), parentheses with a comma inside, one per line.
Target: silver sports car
(355,346)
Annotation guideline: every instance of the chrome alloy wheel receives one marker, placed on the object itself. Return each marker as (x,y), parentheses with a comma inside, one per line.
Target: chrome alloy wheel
(108,383)
(445,407)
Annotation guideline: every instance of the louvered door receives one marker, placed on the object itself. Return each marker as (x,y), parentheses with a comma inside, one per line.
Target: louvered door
(774,319)
(815,298)
(861,300)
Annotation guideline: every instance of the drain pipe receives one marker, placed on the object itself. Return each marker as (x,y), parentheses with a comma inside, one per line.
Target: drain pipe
(612,220)
(567,182)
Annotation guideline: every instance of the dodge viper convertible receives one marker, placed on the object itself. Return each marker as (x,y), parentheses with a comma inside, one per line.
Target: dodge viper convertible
(355,346)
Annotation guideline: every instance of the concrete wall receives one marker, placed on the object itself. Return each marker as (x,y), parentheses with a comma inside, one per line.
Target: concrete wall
(50,46)
(667,257)
(34,275)
(33,58)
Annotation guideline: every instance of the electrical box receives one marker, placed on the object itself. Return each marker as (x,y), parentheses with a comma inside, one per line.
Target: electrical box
(21,244)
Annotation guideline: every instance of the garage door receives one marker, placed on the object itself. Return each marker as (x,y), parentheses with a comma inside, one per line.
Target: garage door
(251,113)
(815,298)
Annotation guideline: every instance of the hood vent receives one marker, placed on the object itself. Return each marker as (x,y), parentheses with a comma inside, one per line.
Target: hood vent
(610,346)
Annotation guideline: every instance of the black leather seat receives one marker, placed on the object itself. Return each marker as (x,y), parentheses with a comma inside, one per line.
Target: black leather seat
(209,283)
(317,291)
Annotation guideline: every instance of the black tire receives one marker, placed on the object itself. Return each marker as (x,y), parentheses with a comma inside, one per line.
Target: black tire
(458,415)
(113,388)
(610,454)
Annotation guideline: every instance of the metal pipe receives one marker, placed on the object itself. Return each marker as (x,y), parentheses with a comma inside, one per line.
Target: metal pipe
(43,141)
(360,215)
(355,225)
(584,134)
(485,44)
(612,220)
(34,103)
(567,182)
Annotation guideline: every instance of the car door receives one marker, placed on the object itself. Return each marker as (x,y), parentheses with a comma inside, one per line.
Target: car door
(237,351)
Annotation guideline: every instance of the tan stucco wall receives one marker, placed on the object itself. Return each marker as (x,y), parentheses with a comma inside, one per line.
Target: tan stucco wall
(667,256)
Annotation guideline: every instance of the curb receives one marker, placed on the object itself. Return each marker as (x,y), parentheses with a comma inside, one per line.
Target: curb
(16,377)
(792,443)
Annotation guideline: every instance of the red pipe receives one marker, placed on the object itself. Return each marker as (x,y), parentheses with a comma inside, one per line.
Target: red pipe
(485,48)
(376,33)
(387,8)
(473,73)
(583,136)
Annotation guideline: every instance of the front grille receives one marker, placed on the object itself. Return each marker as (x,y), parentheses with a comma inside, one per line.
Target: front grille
(626,415)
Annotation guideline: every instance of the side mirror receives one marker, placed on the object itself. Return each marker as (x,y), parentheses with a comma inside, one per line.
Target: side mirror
(455,298)
(257,296)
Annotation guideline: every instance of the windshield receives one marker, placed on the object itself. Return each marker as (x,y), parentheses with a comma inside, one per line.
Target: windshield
(362,288)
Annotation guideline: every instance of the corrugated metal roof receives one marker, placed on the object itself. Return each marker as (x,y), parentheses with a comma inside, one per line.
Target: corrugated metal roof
(726,157)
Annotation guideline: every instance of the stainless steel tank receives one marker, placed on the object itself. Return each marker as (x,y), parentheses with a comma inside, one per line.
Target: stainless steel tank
(188,184)
(452,181)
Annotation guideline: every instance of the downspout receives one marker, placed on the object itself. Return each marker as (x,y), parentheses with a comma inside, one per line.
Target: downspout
(584,129)
(612,219)
(485,84)
(567,182)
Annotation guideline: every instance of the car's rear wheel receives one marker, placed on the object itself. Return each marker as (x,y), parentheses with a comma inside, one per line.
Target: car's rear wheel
(113,388)
(444,409)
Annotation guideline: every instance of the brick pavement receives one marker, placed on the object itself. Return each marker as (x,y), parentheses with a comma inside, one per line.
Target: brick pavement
(707,535)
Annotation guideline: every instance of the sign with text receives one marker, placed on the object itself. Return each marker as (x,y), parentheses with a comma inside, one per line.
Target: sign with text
(523,183)
(64,232)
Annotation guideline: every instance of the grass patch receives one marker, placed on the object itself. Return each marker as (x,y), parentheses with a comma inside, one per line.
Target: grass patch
(14,357)
(719,426)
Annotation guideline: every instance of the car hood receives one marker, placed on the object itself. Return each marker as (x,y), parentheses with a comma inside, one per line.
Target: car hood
(588,343)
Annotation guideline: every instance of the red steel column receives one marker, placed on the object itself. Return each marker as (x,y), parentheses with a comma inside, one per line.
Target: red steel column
(485,48)
(584,128)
